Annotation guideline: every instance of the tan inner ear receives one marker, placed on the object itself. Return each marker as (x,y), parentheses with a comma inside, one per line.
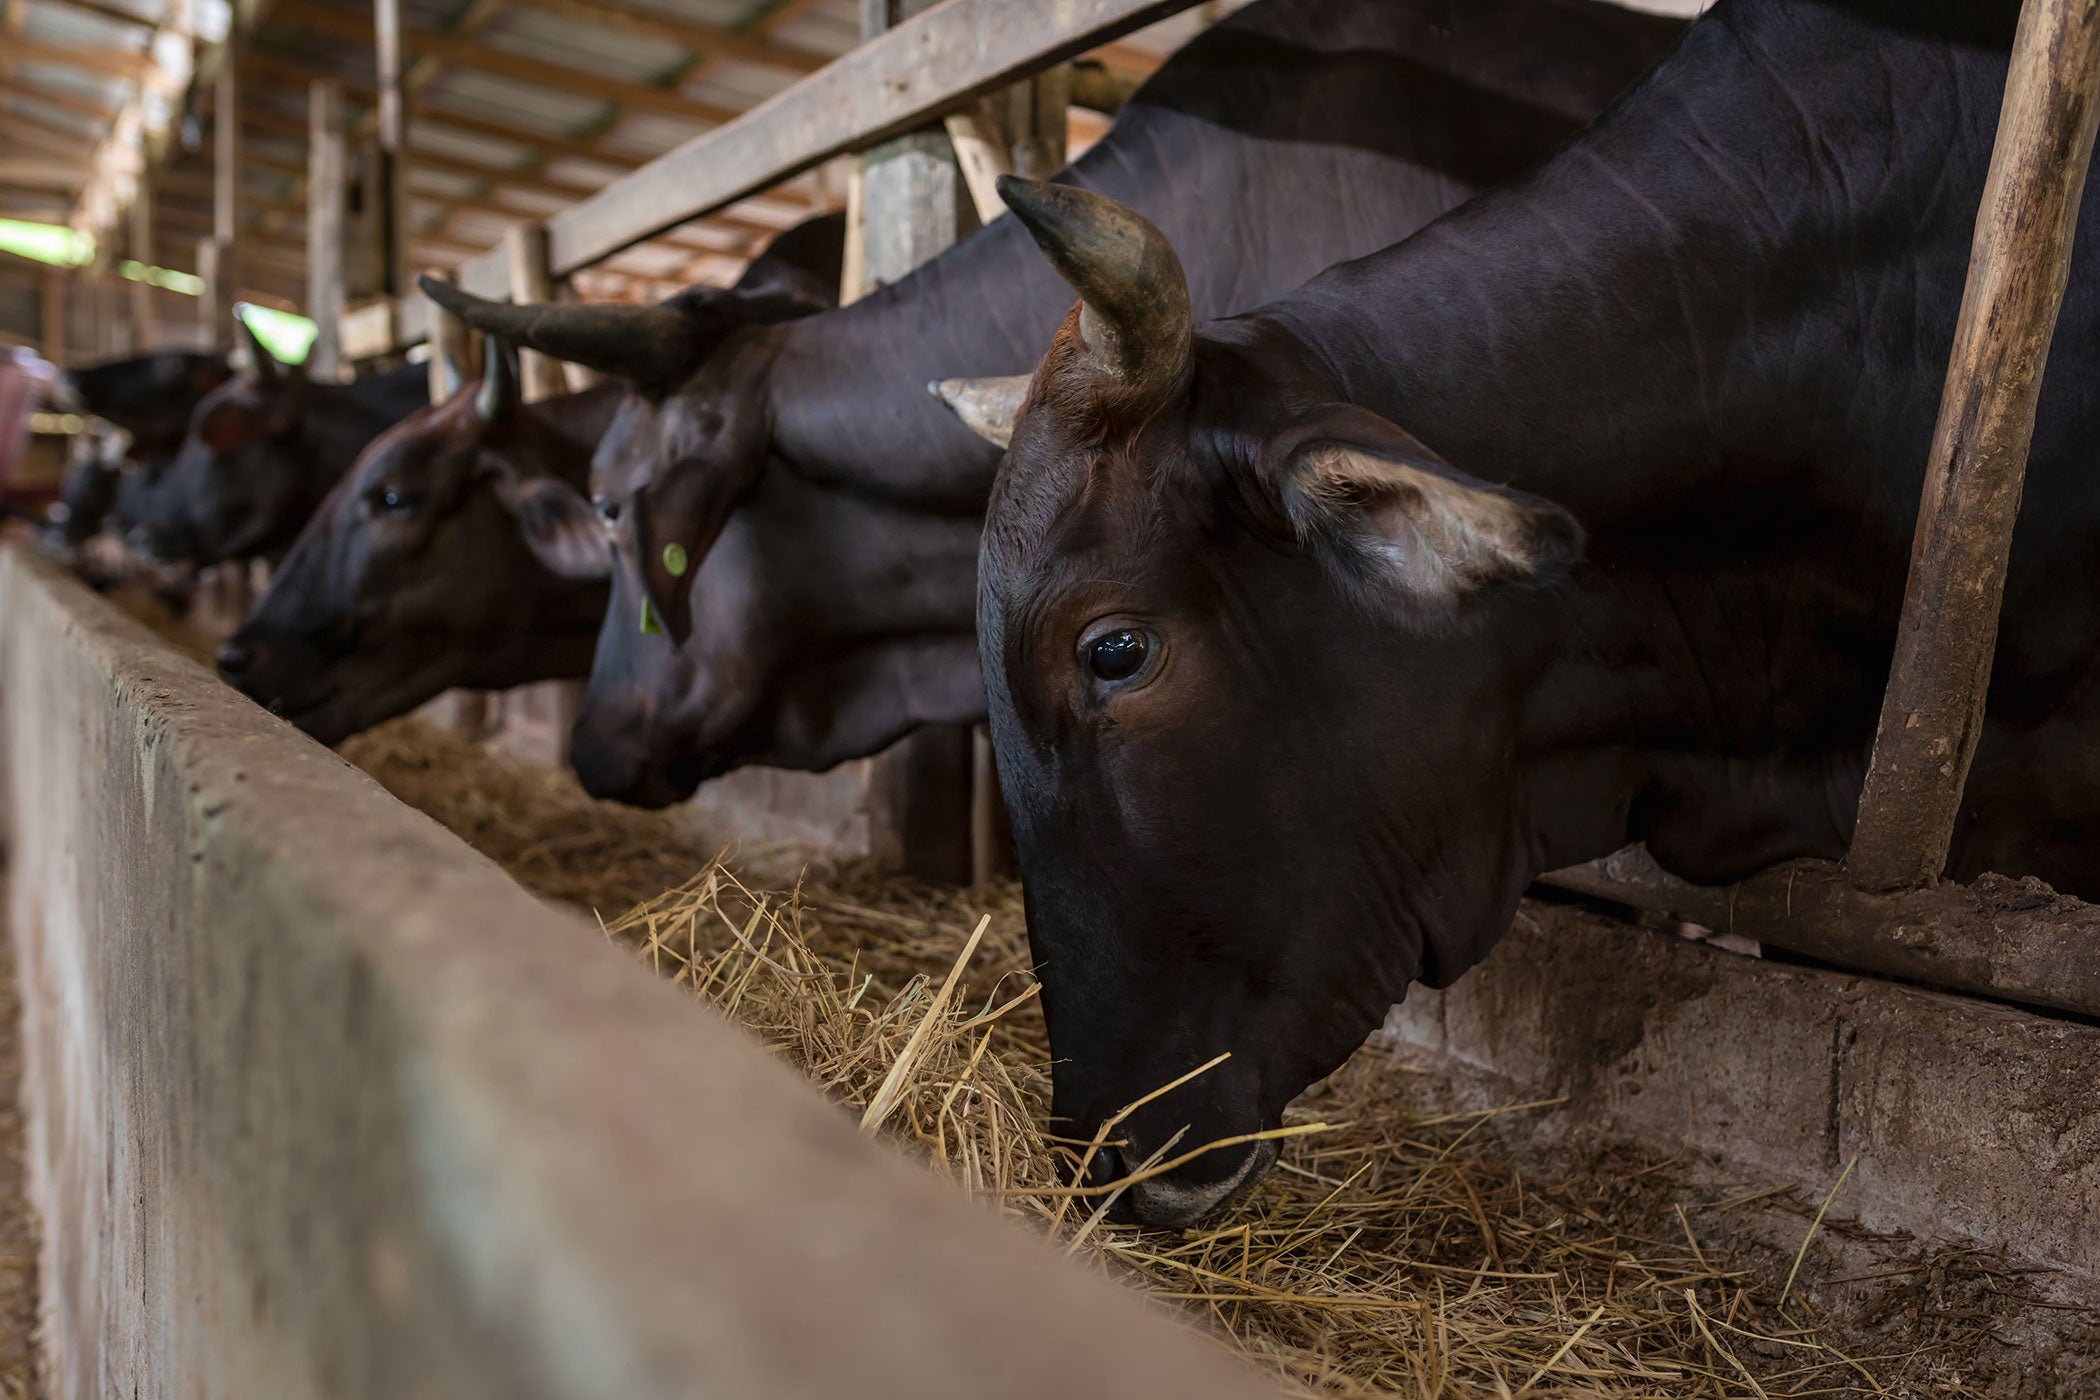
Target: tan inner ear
(987,407)
(1440,537)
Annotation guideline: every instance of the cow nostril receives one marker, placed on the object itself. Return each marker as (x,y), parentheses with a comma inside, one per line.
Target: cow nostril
(234,658)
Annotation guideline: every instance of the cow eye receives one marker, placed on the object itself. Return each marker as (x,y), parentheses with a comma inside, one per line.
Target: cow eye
(1118,655)
(608,511)
(392,498)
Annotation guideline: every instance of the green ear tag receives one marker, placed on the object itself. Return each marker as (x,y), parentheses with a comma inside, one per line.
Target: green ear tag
(674,559)
(650,626)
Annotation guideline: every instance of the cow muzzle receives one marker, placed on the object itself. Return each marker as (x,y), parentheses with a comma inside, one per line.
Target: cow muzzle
(1181,1198)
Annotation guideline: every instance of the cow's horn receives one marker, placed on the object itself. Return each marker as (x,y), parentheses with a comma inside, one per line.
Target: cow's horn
(499,382)
(1136,321)
(645,345)
(987,407)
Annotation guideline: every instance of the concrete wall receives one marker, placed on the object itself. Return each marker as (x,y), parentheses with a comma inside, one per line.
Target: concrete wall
(323,1104)
(1969,1119)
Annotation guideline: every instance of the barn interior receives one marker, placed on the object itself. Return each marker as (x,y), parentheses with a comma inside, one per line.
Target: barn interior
(406,1067)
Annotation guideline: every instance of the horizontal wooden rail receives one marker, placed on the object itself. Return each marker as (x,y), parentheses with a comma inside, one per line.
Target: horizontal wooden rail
(2016,940)
(902,79)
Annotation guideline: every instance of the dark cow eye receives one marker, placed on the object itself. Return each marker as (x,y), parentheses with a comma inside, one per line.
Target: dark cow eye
(392,498)
(608,511)
(1118,655)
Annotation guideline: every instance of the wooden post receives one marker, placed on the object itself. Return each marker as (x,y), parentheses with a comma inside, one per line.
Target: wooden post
(144,334)
(225,283)
(913,202)
(539,377)
(1019,130)
(393,148)
(208,300)
(327,218)
(2018,264)
(51,311)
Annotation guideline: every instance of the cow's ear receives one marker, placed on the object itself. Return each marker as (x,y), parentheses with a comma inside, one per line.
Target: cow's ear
(1392,517)
(558,524)
(987,407)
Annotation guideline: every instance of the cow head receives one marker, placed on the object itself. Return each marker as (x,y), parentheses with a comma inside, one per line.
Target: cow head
(690,446)
(149,396)
(238,484)
(1255,722)
(457,551)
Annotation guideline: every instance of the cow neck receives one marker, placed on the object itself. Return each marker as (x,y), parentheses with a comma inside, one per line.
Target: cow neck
(1693,292)
(1350,103)
(1717,334)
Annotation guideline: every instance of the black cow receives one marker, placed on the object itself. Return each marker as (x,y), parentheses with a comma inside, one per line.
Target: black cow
(848,506)
(1580,518)
(459,550)
(261,451)
(151,397)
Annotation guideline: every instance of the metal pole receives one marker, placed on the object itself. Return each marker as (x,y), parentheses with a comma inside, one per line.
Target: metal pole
(1932,713)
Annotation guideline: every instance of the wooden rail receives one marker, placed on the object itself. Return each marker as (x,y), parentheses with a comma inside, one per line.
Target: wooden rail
(904,78)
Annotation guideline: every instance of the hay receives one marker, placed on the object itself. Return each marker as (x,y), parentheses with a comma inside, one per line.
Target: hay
(1391,1252)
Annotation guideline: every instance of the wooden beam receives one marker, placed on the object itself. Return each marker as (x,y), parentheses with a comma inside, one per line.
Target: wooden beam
(106,63)
(327,217)
(23,86)
(224,283)
(712,40)
(51,129)
(526,248)
(2019,263)
(108,12)
(914,203)
(462,53)
(393,145)
(910,75)
(145,333)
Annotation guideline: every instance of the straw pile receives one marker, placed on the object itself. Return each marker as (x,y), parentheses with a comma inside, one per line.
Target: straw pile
(1392,1252)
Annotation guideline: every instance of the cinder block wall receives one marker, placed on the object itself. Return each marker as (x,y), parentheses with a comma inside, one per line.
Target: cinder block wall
(322,1104)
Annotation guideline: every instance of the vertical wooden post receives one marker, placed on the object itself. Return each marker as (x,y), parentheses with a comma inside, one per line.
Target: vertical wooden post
(225,284)
(540,377)
(2019,262)
(208,300)
(144,334)
(51,311)
(455,357)
(913,202)
(327,217)
(393,147)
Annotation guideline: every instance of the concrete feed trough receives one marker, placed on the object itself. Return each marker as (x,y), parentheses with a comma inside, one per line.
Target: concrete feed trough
(323,1104)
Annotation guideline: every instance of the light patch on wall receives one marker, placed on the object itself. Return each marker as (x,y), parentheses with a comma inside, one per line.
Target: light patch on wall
(287,337)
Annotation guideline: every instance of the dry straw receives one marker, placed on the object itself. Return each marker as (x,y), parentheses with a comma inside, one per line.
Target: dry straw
(1391,1252)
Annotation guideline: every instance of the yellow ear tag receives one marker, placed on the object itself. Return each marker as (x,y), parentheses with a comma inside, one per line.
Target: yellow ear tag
(650,626)
(674,560)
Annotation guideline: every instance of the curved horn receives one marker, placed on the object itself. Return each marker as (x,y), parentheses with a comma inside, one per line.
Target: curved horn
(499,381)
(1136,323)
(646,345)
(987,407)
